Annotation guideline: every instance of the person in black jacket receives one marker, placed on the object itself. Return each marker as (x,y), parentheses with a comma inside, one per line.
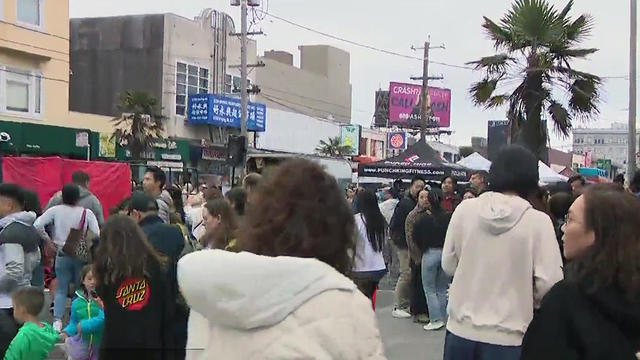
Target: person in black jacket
(595,312)
(138,292)
(398,239)
(430,232)
(169,241)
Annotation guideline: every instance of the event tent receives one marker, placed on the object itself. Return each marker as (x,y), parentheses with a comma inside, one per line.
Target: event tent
(419,159)
(548,176)
(475,161)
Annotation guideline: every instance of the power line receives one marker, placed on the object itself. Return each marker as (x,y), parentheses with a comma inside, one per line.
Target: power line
(40,48)
(32,75)
(355,43)
(310,107)
(35,30)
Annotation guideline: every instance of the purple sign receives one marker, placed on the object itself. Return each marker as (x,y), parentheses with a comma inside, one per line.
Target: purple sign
(404,105)
(397,140)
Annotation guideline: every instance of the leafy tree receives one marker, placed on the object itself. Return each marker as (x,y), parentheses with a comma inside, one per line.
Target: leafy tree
(536,45)
(334,148)
(139,124)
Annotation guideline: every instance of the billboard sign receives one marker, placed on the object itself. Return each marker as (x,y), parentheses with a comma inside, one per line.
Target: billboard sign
(350,136)
(404,105)
(397,140)
(225,111)
(497,137)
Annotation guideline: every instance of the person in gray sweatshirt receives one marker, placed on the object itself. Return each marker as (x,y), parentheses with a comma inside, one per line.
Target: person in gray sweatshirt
(153,184)
(87,199)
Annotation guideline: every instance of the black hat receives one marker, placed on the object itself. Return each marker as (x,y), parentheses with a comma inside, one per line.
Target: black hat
(142,202)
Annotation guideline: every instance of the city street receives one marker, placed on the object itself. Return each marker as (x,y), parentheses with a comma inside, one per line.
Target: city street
(402,338)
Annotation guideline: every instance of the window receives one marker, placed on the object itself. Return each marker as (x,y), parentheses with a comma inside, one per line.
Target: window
(30,12)
(190,79)
(232,84)
(21,90)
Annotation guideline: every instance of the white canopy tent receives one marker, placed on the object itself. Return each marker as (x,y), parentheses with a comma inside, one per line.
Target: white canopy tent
(548,176)
(475,161)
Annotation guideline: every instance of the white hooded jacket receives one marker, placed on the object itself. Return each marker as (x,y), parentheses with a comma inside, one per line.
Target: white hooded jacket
(245,306)
(504,257)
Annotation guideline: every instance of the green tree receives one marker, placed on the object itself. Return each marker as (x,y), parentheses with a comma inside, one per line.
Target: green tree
(139,124)
(333,148)
(536,45)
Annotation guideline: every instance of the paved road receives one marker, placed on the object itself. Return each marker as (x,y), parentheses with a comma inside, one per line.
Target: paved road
(402,338)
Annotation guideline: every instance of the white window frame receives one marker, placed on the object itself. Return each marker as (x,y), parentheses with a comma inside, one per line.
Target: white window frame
(186,84)
(34,76)
(41,7)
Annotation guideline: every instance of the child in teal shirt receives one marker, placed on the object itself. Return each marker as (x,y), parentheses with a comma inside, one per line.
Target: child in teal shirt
(87,315)
(35,339)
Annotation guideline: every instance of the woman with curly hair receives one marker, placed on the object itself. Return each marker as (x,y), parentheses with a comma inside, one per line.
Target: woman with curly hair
(595,312)
(287,296)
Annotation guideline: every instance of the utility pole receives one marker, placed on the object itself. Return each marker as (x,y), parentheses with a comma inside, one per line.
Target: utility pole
(425,106)
(244,93)
(631,156)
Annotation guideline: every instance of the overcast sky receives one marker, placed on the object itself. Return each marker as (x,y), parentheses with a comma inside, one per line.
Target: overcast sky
(395,26)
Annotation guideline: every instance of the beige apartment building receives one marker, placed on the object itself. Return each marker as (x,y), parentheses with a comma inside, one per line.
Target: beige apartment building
(319,88)
(34,80)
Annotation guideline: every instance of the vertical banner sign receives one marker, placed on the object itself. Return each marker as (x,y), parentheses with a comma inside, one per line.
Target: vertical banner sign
(350,136)
(404,106)
(397,140)
(381,115)
(497,137)
(107,146)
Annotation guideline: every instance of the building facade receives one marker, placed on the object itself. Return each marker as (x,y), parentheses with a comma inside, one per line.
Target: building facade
(34,82)
(608,143)
(167,56)
(320,87)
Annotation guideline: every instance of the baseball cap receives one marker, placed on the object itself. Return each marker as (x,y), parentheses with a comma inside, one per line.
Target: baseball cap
(142,202)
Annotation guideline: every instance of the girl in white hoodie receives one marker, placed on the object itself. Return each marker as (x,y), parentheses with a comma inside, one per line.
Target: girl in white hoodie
(288,297)
(503,257)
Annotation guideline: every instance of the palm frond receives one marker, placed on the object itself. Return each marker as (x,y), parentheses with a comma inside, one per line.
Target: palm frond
(585,97)
(566,53)
(580,29)
(482,91)
(501,36)
(561,117)
(493,65)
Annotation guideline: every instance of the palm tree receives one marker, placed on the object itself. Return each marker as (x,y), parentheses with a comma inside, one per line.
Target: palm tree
(334,148)
(139,125)
(536,45)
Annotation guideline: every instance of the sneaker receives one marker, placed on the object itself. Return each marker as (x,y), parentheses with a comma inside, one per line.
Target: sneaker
(434,325)
(421,319)
(57,325)
(400,314)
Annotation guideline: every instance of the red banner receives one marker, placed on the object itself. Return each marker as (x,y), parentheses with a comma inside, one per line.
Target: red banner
(110,181)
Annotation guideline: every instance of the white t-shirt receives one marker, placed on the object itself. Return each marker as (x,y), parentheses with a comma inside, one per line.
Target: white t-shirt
(366,258)
(64,218)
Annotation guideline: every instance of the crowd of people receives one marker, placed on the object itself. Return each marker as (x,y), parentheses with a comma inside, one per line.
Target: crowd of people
(287,267)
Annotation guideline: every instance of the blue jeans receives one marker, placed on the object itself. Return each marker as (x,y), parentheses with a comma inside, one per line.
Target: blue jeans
(435,282)
(67,272)
(457,348)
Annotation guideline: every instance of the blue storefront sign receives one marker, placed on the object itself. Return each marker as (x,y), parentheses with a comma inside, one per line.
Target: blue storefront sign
(225,111)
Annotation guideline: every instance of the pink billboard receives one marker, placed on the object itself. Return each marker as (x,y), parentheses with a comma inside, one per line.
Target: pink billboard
(404,105)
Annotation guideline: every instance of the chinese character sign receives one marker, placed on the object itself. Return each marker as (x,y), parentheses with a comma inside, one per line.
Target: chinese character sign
(404,105)
(199,107)
(225,111)
(350,136)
